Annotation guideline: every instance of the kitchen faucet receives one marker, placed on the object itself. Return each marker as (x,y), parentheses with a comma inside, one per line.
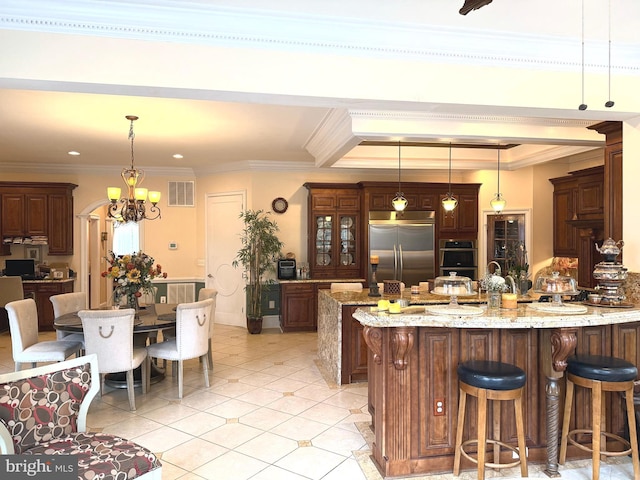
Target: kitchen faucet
(498,270)
(512,282)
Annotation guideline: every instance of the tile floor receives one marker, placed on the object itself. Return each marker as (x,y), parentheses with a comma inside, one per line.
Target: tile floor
(268,415)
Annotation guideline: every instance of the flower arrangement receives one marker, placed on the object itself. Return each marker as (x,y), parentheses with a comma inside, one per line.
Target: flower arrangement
(132,275)
(493,283)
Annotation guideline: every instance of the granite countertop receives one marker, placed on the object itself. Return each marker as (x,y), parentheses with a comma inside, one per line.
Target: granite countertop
(423,298)
(326,280)
(526,315)
(50,280)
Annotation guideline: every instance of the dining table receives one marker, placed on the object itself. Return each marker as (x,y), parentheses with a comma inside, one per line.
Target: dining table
(150,318)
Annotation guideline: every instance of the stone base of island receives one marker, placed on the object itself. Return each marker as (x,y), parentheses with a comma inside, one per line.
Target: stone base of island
(411,367)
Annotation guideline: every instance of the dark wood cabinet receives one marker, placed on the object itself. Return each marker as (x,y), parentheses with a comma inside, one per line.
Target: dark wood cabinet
(43,209)
(298,307)
(578,219)
(564,234)
(334,231)
(40,291)
(24,214)
(61,224)
(354,348)
(463,221)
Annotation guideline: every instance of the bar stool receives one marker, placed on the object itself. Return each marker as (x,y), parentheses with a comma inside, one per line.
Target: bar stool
(487,380)
(600,374)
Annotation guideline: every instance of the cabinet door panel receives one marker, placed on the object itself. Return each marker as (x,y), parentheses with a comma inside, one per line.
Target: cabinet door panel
(590,198)
(298,307)
(564,235)
(323,201)
(36,215)
(60,224)
(347,202)
(468,215)
(13,208)
(354,348)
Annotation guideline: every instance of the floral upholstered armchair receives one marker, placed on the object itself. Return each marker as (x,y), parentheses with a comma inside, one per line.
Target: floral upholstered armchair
(43,410)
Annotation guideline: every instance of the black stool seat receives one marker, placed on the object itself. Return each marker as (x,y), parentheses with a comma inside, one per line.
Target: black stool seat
(602,368)
(491,375)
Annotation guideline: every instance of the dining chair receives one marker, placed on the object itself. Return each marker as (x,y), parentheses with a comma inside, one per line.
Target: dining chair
(64,303)
(109,334)
(191,340)
(44,410)
(10,291)
(203,294)
(23,325)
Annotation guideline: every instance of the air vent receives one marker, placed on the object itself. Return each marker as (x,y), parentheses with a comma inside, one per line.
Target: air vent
(181,292)
(181,194)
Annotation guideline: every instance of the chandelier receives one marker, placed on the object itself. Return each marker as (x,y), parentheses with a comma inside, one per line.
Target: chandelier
(133,207)
(449,202)
(498,202)
(399,202)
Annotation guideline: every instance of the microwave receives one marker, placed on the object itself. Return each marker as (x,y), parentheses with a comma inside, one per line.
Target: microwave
(286,269)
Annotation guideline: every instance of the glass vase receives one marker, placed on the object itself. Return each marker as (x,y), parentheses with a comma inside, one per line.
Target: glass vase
(494,300)
(132,301)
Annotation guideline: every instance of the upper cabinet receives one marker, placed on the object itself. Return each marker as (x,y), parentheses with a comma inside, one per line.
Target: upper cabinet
(45,210)
(24,214)
(463,221)
(334,231)
(578,204)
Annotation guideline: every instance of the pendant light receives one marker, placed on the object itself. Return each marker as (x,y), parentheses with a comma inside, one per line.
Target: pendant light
(449,202)
(498,202)
(609,103)
(582,106)
(399,202)
(133,206)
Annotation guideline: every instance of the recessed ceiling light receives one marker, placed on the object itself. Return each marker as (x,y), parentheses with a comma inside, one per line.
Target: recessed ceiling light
(74,153)
(178,156)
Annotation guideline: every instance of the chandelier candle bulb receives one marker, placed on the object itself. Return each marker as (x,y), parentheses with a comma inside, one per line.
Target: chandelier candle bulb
(154,197)
(141,194)
(375,259)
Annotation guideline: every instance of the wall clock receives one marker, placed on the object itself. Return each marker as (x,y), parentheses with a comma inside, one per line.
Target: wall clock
(279,205)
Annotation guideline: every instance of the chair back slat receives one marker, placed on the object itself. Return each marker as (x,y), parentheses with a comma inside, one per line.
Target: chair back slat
(68,303)
(23,324)
(192,328)
(109,335)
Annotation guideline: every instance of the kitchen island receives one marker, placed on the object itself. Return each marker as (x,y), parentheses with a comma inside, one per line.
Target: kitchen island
(341,347)
(413,385)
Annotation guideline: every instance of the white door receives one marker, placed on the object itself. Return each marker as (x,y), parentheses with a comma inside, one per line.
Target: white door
(224,228)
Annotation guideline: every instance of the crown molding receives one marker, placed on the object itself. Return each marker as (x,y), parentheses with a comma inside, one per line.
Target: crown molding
(206,24)
(98,170)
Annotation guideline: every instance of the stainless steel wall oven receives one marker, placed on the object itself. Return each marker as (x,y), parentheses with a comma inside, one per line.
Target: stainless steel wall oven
(460,256)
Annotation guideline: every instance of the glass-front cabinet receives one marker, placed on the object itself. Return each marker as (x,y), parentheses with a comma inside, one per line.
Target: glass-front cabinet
(334,243)
(505,241)
(336,252)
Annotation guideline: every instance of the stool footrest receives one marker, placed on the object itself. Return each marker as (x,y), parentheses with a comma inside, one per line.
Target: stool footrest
(607,453)
(487,464)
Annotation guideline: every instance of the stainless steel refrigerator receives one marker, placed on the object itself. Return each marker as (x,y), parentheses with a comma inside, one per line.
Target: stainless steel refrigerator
(404,242)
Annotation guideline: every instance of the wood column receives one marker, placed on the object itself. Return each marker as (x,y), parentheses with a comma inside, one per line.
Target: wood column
(612,178)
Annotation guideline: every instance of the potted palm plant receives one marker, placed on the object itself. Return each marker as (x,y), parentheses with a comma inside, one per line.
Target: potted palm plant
(260,250)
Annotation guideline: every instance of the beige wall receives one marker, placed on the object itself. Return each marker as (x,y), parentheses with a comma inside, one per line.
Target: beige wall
(185,226)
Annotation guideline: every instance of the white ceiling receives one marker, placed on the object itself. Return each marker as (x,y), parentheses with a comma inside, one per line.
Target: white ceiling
(217,130)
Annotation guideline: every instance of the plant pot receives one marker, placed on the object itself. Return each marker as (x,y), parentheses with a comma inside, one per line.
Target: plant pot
(254,325)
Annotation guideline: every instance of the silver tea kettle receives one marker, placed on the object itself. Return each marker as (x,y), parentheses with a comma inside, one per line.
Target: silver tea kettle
(610,249)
